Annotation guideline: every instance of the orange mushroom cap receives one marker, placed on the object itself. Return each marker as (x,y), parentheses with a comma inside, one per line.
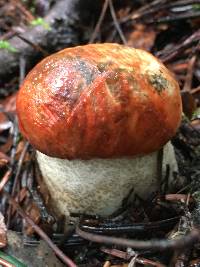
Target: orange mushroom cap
(99,101)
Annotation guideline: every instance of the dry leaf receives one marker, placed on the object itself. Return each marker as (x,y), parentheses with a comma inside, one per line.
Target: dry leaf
(7,146)
(19,150)
(22,194)
(4,159)
(142,37)
(189,103)
(34,213)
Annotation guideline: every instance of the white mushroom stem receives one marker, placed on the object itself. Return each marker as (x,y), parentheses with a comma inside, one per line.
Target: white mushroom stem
(99,186)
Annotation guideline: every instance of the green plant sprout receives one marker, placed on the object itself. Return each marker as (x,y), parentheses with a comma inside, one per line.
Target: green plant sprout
(40,21)
(7,46)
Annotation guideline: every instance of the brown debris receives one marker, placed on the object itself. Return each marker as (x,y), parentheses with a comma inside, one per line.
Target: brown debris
(169,29)
(142,36)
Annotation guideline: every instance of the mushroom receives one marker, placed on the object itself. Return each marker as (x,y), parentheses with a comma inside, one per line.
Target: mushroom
(97,115)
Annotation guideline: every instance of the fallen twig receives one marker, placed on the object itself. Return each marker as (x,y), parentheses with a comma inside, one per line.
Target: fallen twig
(188,78)
(117,26)
(127,256)
(5,179)
(158,245)
(99,22)
(5,263)
(20,162)
(40,232)
(178,197)
(122,227)
(171,54)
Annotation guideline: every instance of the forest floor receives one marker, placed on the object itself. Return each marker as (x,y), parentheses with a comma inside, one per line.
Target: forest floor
(162,230)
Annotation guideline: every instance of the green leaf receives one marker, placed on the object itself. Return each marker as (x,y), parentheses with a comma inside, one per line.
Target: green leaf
(40,21)
(196,6)
(7,46)
(196,114)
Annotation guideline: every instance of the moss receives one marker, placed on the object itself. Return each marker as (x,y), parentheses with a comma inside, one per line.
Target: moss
(158,82)
(102,66)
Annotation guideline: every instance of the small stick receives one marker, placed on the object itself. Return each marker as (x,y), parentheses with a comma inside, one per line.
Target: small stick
(40,232)
(159,169)
(174,18)
(100,20)
(195,90)
(181,47)
(177,197)
(147,9)
(23,9)
(5,179)
(188,79)
(35,46)
(14,145)
(22,68)
(116,23)
(149,262)
(4,263)
(158,245)
(127,256)
(19,167)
